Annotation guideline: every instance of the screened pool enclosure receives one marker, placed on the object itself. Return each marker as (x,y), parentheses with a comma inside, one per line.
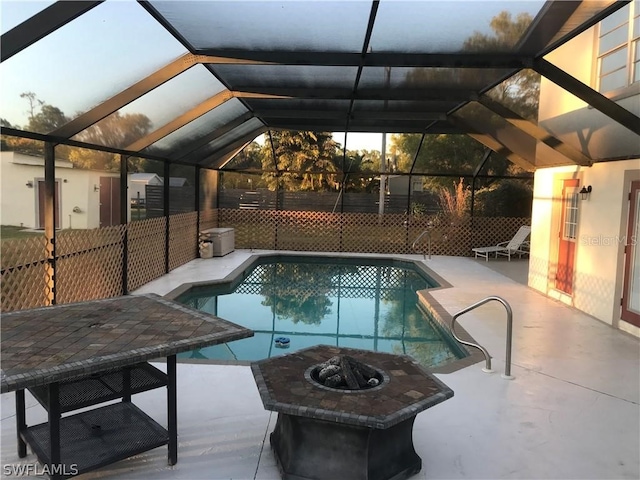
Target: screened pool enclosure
(187,97)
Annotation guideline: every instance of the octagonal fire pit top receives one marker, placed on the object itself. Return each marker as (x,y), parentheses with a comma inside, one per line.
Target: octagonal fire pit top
(286,385)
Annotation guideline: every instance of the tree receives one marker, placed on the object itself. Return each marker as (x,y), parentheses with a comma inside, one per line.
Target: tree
(26,146)
(250,158)
(459,154)
(521,91)
(33,101)
(47,120)
(299,153)
(117,131)
(299,293)
(43,118)
(446,154)
(507,198)
(360,166)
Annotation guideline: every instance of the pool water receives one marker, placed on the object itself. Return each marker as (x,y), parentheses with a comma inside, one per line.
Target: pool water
(367,304)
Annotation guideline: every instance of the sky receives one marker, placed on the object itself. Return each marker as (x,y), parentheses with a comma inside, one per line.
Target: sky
(361,141)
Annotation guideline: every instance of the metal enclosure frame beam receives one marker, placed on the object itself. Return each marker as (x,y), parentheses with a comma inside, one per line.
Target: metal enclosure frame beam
(180,121)
(42,24)
(217,133)
(594,98)
(370,59)
(551,18)
(535,131)
(346,93)
(494,144)
(232,146)
(126,96)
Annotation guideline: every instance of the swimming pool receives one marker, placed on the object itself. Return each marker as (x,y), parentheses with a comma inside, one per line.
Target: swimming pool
(360,303)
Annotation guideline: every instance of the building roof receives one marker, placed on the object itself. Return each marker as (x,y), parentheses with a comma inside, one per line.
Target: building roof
(145,177)
(213,75)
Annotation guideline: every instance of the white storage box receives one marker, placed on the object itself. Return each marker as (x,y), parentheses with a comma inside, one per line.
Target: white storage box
(222,241)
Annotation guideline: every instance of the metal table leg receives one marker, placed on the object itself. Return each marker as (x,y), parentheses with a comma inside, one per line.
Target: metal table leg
(172,410)
(21,423)
(54,428)
(126,384)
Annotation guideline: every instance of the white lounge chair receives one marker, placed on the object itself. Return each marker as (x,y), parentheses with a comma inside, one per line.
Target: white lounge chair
(515,246)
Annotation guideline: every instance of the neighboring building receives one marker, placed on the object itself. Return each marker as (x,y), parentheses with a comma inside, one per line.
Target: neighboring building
(139,181)
(84,198)
(586,253)
(178,182)
(399,184)
(137,186)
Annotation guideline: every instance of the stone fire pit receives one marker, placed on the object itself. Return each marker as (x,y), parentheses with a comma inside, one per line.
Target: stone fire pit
(339,432)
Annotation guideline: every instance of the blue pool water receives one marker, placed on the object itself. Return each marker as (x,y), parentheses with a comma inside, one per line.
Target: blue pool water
(359,303)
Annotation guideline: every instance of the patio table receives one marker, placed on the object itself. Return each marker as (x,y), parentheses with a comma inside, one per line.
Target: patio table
(82,354)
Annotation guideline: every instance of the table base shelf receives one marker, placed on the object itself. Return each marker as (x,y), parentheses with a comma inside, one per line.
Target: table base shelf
(98,437)
(102,387)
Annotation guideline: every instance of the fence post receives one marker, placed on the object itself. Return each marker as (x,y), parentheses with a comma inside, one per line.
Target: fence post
(124,201)
(50,216)
(165,211)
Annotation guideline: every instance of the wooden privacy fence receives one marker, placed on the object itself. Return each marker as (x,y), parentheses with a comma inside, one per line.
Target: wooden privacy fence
(360,202)
(90,264)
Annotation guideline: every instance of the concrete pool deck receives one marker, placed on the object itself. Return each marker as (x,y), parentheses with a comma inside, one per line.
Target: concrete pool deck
(572,412)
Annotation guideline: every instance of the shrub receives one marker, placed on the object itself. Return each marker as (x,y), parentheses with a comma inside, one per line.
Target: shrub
(504,198)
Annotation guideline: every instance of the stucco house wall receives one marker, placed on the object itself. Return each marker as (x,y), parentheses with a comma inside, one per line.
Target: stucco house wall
(79,201)
(601,237)
(603,217)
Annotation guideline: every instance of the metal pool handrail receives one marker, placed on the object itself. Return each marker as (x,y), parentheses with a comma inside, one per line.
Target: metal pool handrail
(507,368)
(415,242)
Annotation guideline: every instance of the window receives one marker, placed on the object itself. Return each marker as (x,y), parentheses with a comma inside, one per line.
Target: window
(619,48)
(571,216)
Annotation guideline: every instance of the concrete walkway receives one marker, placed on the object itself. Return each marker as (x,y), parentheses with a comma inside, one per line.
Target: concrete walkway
(572,412)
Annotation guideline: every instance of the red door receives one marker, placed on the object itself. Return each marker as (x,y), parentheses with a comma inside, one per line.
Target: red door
(109,201)
(631,285)
(41,204)
(567,236)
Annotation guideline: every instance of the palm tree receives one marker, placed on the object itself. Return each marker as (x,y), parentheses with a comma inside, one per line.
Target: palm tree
(305,160)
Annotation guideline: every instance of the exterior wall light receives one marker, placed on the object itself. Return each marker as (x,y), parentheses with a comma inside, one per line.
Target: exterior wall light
(96,188)
(29,184)
(585,192)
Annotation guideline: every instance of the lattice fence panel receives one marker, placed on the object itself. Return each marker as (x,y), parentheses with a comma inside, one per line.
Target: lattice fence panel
(25,282)
(145,252)
(309,231)
(452,239)
(371,233)
(208,219)
(493,230)
(384,280)
(253,228)
(183,238)
(89,264)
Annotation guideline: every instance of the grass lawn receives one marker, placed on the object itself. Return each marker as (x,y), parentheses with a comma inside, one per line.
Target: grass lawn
(9,232)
